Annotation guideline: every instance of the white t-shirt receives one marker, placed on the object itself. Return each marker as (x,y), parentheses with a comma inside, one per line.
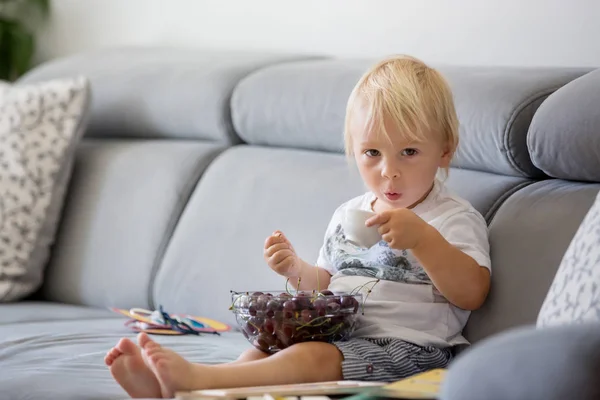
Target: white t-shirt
(404,304)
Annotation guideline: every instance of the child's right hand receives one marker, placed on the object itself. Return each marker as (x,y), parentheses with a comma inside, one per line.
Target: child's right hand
(281,256)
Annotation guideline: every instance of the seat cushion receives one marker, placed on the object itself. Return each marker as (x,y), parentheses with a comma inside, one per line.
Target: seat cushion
(42,311)
(126,197)
(218,244)
(64,359)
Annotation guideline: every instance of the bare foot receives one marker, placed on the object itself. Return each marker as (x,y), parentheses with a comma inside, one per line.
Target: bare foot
(131,372)
(174,373)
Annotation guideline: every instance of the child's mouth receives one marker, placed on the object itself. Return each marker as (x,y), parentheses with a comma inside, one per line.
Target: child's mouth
(392,196)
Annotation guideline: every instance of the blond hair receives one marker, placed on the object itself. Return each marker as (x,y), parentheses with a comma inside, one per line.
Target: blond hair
(414,97)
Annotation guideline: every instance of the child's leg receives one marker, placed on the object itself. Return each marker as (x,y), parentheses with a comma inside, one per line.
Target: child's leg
(300,363)
(252,354)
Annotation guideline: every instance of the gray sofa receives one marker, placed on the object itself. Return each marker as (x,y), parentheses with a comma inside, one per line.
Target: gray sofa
(192,158)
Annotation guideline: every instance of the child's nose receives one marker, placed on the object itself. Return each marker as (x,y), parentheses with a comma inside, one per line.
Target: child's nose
(390,172)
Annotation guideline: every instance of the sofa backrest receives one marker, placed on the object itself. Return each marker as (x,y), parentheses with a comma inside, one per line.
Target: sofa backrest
(533,227)
(159,117)
(170,207)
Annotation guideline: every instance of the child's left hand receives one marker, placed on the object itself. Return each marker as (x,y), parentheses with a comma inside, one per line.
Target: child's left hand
(401,228)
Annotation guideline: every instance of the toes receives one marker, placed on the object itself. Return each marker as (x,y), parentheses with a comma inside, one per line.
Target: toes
(151,345)
(153,350)
(156,358)
(108,360)
(144,340)
(146,343)
(111,356)
(127,347)
(161,366)
(115,352)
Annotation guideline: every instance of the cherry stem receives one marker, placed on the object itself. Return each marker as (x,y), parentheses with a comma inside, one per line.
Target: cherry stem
(326,320)
(253,324)
(367,296)
(318,285)
(287,288)
(332,330)
(358,288)
(234,300)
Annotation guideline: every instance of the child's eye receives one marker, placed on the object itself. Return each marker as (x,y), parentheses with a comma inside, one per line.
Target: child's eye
(409,152)
(372,153)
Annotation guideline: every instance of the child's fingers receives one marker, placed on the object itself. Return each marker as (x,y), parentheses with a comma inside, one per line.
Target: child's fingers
(387,237)
(374,220)
(383,229)
(283,257)
(279,237)
(286,240)
(378,219)
(269,251)
(273,240)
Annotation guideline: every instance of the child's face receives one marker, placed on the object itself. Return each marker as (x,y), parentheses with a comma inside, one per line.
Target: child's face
(400,173)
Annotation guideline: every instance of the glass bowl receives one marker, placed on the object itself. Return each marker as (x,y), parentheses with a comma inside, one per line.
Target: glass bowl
(275,320)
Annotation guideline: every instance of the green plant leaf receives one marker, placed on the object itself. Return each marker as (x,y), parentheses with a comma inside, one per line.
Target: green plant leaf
(42,5)
(19,20)
(21,48)
(8,22)
(5,60)
(28,12)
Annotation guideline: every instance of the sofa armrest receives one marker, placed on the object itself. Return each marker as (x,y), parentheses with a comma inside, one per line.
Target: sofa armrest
(530,364)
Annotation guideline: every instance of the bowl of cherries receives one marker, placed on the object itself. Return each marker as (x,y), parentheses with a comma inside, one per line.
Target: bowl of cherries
(275,320)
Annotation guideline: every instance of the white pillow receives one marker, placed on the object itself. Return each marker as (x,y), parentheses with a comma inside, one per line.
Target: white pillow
(574,296)
(40,127)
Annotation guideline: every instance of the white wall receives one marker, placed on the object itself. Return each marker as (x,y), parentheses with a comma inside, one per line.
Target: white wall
(499,32)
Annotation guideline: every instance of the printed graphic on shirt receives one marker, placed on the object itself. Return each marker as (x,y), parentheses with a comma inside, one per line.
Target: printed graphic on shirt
(379,261)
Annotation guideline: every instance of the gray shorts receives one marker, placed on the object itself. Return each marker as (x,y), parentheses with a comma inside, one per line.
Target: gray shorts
(388,359)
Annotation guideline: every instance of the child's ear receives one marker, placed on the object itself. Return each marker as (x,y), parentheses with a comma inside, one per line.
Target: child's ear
(447,154)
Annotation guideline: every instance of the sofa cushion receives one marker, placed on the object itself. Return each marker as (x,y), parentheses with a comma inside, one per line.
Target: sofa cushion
(218,244)
(528,364)
(159,92)
(574,296)
(302,105)
(40,127)
(564,138)
(124,202)
(486,191)
(529,235)
(45,311)
(64,359)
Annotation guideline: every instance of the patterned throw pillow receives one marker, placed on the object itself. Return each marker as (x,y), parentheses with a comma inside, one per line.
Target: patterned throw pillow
(40,127)
(574,296)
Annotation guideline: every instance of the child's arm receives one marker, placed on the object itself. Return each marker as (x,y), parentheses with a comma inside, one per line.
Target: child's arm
(282,258)
(455,274)
(311,277)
